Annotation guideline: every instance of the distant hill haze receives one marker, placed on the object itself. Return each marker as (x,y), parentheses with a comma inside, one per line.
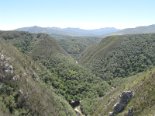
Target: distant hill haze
(136,30)
(69,31)
(92,32)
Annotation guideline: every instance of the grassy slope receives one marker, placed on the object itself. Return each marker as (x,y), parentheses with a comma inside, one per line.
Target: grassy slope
(97,50)
(45,48)
(142,85)
(41,100)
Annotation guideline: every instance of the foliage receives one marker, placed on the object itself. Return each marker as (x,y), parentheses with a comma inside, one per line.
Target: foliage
(121,56)
(50,67)
(75,45)
(23,93)
(47,74)
(142,84)
(73,81)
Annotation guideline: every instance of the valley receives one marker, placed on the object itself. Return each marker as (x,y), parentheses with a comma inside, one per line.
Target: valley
(43,74)
(77,58)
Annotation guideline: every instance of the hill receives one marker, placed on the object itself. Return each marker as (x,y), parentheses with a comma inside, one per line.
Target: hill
(27,42)
(120,56)
(73,40)
(141,104)
(22,91)
(38,77)
(59,71)
(69,31)
(75,45)
(137,30)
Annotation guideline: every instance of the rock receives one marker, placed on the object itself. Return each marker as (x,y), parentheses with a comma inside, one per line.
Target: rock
(8,68)
(15,78)
(76,62)
(78,111)
(130,112)
(4,63)
(21,92)
(2,57)
(118,107)
(125,97)
(74,103)
(111,114)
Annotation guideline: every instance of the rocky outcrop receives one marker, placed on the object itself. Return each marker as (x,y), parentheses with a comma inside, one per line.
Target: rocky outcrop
(74,103)
(125,97)
(6,69)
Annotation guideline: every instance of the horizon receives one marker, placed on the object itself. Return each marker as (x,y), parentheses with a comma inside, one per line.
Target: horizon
(73,27)
(81,14)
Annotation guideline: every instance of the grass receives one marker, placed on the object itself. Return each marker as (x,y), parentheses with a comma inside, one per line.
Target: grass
(142,85)
(39,99)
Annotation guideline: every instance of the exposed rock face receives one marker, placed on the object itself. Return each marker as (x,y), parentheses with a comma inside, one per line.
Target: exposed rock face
(125,97)
(5,66)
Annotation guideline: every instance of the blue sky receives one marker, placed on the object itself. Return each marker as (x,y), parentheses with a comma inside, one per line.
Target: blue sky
(86,14)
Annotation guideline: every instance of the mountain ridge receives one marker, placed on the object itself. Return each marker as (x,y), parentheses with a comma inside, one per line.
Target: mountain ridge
(137,30)
(69,31)
(106,31)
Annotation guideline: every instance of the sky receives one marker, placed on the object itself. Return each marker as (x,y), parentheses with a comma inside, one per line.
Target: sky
(85,14)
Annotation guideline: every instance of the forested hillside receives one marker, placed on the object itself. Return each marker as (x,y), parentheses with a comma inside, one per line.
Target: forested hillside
(39,77)
(68,79)
(115,59)
(120,56)
(75,45)
(141,104)
(22,91)
(77,58)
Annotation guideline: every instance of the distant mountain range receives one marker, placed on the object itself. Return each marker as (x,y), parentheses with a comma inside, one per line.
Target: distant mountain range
(137,30)
(69,31)
(93,32)
(39,75)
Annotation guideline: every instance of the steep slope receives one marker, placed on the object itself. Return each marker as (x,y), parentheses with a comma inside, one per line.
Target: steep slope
(46,47)
(27,42)
(22,91)
(63,73)
(120,56)
(69,31)
(142,104)
(137,30)
(73,81)
(75,45)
